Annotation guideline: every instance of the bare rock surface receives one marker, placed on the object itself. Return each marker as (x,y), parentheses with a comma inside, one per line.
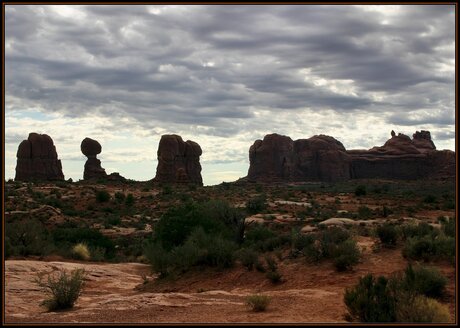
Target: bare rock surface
(37,159)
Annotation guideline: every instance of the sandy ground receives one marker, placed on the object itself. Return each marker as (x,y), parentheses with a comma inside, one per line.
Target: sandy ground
(115,293)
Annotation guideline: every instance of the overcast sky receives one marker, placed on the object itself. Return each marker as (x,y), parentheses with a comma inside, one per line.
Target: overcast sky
(223,76)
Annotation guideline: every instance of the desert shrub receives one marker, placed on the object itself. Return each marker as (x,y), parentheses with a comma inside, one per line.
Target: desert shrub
(412,230)
(161,260)
(448,226)
(429,199)
(129,200)
(248,258)
(430,248)
(273,276)
(444,248)
(64,289)
(64,238)
(422,309)
(256,205)
(401,298)
(360,190)
(80,251)
(364,212)
(419,248)
(347,255)
(28,238)
(258,303)
(120,197)
(424,280)
(102,196)
(299,241)
(370,300)
(200,249)
(214,217)
(387,234)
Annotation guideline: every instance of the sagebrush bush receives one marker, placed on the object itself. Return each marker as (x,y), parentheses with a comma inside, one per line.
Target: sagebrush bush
(430,247)
(360,190)
(422,309)
(425,280)
(370,300)
(347,255)
(258,303)
(248,258)
(388,234)
(81,252)
(64,288)
(256,205)
(401,298)
(102,196)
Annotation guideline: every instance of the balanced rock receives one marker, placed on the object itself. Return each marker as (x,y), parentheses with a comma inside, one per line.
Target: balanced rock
(93,170)
(178,161)
(37,159)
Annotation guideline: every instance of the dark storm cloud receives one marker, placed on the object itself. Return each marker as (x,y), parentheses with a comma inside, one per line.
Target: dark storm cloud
(211,66)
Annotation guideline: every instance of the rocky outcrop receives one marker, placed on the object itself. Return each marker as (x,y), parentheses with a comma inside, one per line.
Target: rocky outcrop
(178,161)
(279,158)
(37,159)
(93,170)
(323,158)
(403,158)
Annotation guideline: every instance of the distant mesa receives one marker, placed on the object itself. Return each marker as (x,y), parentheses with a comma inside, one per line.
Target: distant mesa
(93,169)
(37,159)
(323,158)
(178,161)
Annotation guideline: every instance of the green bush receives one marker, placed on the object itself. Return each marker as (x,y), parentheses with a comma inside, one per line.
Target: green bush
(120,197)
(412,230)
(370,300)
(64,289)
(64,238)
(258,303)
(449,227)
(129,200)
(248,258)
(427,281)
(364,212)
(102,196)
(161,260)
(430,248)
(214,217)
(422,309)
(347,255)
(402,298)
(360,190)
(256,205)
(273,276)
(28,237)
(387,234)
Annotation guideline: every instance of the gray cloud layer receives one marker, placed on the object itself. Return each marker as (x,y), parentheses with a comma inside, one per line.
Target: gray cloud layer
(215,66)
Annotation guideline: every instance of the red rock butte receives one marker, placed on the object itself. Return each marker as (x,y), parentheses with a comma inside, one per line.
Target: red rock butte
(37,159)
(323,158)
(178,161)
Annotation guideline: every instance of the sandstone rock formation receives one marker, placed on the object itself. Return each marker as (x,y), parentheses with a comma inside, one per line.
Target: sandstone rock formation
(403,158)
(279,158)
(93,170)
(323,158)
(178,161)
(37,159)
